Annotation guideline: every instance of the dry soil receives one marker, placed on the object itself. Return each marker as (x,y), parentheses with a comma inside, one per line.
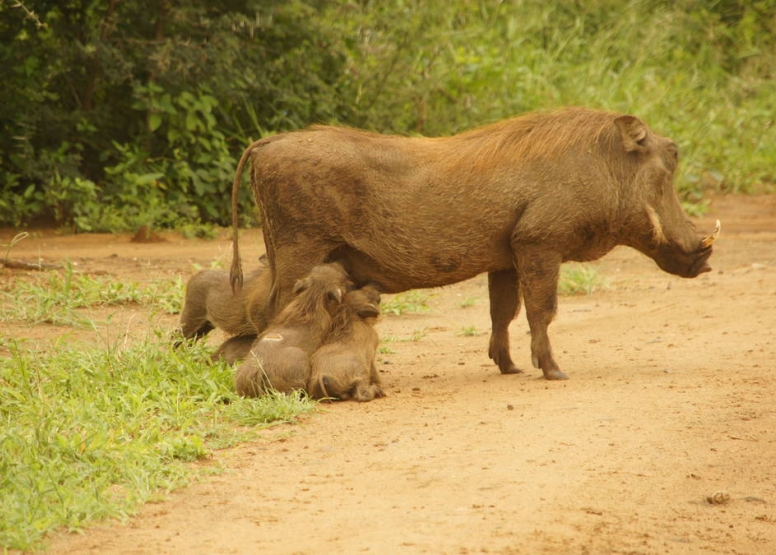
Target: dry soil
(663,440)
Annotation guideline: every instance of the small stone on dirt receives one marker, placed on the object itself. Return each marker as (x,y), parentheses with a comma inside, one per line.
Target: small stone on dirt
(719,498)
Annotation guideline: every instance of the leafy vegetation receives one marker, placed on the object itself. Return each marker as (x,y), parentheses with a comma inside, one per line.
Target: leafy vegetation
(385,350)
(414,336)
(55,297)
(90,433)
(120,114)
(469,301)
(89,430)
(414,301)
(578,278)
(468,331)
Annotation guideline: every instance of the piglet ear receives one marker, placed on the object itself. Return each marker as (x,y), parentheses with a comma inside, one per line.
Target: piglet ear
(368,311)
(633,131)
(301,285)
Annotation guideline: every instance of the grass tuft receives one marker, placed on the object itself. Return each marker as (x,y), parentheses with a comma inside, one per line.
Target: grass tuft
(468,331)
(468,302)
(580,278)
(405,303)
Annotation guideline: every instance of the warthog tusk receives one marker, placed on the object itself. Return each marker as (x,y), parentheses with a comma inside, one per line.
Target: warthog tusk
(708,241)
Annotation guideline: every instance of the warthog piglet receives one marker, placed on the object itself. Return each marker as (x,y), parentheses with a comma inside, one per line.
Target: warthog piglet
(344,366)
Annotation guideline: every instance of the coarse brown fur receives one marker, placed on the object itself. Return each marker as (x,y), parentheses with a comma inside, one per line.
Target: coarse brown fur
(210,303)
(234,349)
(344,366)
(514,199)
(280,357)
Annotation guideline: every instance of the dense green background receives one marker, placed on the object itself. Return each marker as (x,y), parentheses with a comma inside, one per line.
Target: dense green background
(116,113)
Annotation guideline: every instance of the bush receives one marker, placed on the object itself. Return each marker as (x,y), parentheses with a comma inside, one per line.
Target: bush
(123,111)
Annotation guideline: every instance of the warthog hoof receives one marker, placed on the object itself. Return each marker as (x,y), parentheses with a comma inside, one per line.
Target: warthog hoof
(510,369)
(555,375)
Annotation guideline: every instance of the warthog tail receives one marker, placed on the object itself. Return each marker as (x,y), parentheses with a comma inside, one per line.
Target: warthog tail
(236,273)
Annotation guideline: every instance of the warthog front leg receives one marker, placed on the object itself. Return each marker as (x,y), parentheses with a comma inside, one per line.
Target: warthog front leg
(538,272)
(504,306)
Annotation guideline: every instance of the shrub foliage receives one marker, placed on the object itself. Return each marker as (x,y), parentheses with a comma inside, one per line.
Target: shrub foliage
(122,113)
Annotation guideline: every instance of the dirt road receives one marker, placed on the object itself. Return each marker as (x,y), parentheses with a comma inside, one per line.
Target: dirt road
(671,402)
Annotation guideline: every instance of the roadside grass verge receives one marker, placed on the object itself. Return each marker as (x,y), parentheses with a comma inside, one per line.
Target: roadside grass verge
(55,297)
(93,433)
(91,430)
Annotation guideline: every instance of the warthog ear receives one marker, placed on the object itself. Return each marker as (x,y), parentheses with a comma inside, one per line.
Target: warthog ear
(372,291)
(301,285)
(633,132)
(368,311)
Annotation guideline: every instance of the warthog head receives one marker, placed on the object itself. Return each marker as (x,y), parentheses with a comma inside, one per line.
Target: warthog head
(325,283)
(655,222)
(344,367)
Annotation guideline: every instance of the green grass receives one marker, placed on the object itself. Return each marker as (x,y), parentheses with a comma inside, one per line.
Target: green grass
(92,430)
(56,297)
(700,73)
(189,230)
(415,336)
(580,279)
(89,433)
(468,302)
(468,331)
(14,241)
(406,303)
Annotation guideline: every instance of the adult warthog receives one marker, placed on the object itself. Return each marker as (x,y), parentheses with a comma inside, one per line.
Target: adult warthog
(514,199)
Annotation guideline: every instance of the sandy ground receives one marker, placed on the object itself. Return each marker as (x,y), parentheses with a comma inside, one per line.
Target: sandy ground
(671,404)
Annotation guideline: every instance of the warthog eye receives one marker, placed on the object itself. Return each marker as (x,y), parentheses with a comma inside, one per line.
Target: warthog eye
(673,151)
